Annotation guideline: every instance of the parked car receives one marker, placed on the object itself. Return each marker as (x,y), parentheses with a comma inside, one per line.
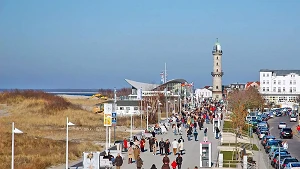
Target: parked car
(282,125)
(262,133)
(282,157)
(272,143)
(278,114)
(275,150)
(286,161)
(293,118)
(286,133)
(275,157)
(292,165)
(265,139)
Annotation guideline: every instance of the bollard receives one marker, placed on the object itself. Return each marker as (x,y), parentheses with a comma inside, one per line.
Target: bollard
(220,160)
(245,162)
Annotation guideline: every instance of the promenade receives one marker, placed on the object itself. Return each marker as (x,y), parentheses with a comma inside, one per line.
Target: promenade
(191,158)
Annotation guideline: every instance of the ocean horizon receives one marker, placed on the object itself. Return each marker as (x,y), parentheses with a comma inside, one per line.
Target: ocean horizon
(77,92)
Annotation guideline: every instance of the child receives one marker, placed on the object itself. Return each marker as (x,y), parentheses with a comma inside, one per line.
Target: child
(174,164)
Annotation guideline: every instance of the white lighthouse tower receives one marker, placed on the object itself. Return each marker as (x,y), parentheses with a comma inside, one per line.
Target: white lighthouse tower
(217,71)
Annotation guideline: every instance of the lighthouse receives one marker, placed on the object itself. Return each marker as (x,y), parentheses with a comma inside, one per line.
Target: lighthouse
(217,72)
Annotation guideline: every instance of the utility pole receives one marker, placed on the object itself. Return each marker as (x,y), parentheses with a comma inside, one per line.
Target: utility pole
(166,90)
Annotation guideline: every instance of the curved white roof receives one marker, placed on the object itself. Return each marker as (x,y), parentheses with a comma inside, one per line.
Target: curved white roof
(149,86)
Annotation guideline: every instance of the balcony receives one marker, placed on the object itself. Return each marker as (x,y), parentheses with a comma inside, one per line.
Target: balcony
(218,74)
(217,52)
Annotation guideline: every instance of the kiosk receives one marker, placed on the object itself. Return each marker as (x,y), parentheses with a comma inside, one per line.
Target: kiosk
(216,123)
(205,154)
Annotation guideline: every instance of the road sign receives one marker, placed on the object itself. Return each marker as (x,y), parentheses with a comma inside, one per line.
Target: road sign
(107,120)
(114,115)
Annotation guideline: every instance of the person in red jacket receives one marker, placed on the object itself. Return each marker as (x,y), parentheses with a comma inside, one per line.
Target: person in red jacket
(174,164)
(143,145)
(298,129)
(125,144)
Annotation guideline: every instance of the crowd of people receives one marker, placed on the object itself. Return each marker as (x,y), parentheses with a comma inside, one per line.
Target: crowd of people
(188,122)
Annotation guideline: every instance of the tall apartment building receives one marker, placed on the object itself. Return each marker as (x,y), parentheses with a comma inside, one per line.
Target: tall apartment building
(281,87)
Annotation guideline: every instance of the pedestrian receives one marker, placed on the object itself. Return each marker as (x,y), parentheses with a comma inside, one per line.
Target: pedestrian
(151,142)
(118,161)
(136,153)
(139,162)
(205,132)
(174,164)
(143,142)
(167,147)
(180,141)
(153,166)
(130,154)
(125,144)
(217,132)
(154,148)
(153,133)
(179,161)
(189,133)
(161,146)
(285,145)
(165,166)
(195,134)
(166,159)
(175,146)
(298,129)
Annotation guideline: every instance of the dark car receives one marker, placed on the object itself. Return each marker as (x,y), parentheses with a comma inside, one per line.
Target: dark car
(286,133)
(272,143)
(286,161)
(278,114)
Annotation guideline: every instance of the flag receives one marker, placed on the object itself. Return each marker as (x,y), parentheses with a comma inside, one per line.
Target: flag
(140,94)
(17,131)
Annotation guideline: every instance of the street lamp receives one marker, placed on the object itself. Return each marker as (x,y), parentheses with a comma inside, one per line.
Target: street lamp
(148,117)
(17,131)
(159,113)
(67,138)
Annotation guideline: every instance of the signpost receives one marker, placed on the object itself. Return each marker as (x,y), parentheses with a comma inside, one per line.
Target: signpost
(107,121)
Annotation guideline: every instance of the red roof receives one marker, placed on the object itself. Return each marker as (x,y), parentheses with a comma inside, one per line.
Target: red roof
(206,87)
(250,83)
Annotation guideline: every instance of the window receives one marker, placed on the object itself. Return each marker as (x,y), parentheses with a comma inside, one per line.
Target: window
(294,82)
(264,82)
(127,108)
(136,108)
(217,58)
(283,82)
(267,81)
(268,89)
(217,70)
(264,89)
(274,89)
(217,87)
(279,82)
(291,89)
(283,89)
(294,89)
(263,75)
(291,82)
(279,89)
(267,74)
(121,108)
(217,64)
(274,81)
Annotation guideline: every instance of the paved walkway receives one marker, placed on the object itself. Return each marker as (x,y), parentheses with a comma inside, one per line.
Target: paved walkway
(190,159)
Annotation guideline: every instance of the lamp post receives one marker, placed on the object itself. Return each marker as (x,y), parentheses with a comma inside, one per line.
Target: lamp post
(67,141)
(148,116)
(159,113)
(17,131)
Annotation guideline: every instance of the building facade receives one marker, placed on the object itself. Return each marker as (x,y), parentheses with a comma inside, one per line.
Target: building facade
(281,87)
(217,71)
(203,93)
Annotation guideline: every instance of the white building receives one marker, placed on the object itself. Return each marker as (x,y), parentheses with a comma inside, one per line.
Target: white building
(280,86)
(126,107)
(203,93)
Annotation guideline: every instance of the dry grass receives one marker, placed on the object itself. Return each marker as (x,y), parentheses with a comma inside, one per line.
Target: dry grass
(42,117)
(85,101)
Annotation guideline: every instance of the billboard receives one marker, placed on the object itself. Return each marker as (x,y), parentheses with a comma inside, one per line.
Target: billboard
(91,160)
(107,120)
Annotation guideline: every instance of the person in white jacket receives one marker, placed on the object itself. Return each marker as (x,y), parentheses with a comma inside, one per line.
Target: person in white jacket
(180,146)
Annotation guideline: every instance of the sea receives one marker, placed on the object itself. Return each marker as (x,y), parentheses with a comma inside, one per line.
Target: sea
(76,92)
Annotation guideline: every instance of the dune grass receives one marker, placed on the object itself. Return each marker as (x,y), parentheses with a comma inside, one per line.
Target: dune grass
(42,118)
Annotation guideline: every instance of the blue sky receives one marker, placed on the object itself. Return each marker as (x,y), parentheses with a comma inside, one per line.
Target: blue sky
(97,44)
